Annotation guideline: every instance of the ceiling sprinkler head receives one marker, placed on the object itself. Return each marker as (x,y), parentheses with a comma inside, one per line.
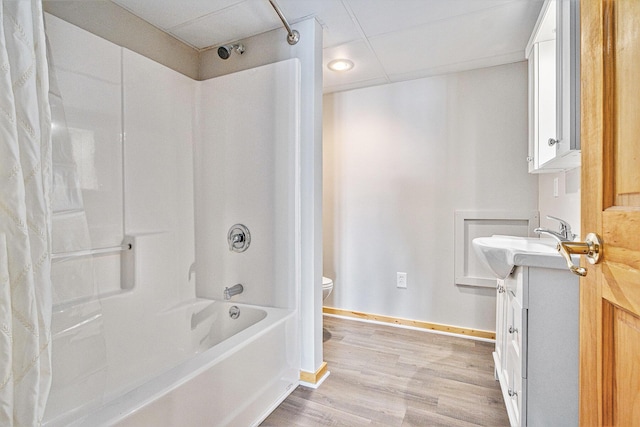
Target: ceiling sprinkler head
(224,52)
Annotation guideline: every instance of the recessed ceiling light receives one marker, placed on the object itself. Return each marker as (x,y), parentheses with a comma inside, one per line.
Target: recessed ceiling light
(340,65)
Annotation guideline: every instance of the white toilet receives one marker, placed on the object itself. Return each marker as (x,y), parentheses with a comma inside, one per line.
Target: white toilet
(327,287)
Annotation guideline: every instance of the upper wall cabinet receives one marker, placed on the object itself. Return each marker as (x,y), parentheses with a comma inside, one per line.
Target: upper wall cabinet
(553,52)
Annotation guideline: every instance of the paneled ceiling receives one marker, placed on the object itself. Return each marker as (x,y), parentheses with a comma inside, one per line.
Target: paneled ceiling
(388,40)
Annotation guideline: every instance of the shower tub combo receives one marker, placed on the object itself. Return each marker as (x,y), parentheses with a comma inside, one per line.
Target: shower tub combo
(220,363)
(136,341)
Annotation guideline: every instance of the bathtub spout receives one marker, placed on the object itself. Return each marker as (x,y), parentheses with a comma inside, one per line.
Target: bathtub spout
(234,290)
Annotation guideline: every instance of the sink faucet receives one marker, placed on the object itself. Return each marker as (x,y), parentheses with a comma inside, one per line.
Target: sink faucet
(563,235)
(234,290)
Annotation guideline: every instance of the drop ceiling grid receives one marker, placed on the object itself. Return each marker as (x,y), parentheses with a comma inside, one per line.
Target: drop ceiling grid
(331,14)
(388,40)
(166,14)
(230,24)
(388,16)
(474,38)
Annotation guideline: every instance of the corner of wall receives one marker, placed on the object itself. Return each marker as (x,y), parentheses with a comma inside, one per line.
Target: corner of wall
(116,24)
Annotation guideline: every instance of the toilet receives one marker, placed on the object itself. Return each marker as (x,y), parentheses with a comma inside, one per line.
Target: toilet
(327,287)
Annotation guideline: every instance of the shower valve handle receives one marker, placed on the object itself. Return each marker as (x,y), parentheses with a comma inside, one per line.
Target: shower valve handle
(238,238)
(234,240)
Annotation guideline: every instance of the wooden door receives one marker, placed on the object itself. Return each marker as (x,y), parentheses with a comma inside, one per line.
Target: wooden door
(610,132)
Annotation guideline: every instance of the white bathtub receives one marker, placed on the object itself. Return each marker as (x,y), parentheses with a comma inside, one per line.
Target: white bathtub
(186,365)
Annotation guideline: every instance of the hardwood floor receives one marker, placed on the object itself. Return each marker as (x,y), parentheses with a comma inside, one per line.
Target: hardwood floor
(386,376)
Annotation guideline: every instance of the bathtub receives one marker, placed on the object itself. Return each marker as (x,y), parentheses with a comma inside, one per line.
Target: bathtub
(191,364)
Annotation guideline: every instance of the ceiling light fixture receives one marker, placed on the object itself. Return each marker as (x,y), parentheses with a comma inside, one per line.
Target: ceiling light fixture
(340,65)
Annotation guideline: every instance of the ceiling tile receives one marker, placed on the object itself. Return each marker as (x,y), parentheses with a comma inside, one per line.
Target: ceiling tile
(233,23)
(338,27)
(338,30)
(165,14)
(485,34)
(366,66)
(296,10)
(385,16)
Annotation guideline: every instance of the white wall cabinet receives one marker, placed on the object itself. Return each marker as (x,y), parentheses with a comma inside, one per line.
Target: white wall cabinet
(554,88)
(536,354)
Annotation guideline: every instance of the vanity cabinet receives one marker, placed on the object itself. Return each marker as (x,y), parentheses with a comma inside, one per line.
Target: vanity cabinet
(553,53)
(536,353)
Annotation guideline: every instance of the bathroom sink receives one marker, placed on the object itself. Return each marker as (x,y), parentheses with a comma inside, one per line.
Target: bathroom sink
(503,253)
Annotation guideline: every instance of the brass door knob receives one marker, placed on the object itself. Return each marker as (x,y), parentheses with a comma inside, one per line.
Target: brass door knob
(591,248)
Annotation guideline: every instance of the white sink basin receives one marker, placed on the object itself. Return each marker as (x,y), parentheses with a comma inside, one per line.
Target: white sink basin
(503,253)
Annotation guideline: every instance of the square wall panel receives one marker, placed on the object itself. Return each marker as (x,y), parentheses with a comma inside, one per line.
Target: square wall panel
(470,270)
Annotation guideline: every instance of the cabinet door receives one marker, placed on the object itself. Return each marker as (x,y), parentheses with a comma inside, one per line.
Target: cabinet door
(501,312)
(554,88)
(545,84)
(568,81)
(516,330)
(516,399)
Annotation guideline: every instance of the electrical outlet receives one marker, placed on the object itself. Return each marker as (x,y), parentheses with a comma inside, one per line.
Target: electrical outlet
(555,187)
(401,280)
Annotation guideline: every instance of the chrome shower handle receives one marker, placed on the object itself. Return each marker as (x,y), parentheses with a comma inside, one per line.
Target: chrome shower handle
(238,238)
(235,238)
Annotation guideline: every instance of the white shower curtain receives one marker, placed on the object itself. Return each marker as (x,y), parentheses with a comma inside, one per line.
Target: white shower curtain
(25,181)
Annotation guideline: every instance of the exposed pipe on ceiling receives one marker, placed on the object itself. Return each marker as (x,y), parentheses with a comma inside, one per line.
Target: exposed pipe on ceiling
(293,36)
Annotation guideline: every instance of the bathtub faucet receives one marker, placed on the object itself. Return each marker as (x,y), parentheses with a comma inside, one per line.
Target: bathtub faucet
(234,290)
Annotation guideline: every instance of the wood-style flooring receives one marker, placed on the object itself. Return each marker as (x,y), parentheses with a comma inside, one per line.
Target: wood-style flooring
(387,376)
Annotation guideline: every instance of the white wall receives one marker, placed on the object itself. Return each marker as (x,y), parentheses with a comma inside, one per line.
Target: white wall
(246,168)
(566,204)
(399,159)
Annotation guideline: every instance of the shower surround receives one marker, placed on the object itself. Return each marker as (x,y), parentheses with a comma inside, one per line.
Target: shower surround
(168,164)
